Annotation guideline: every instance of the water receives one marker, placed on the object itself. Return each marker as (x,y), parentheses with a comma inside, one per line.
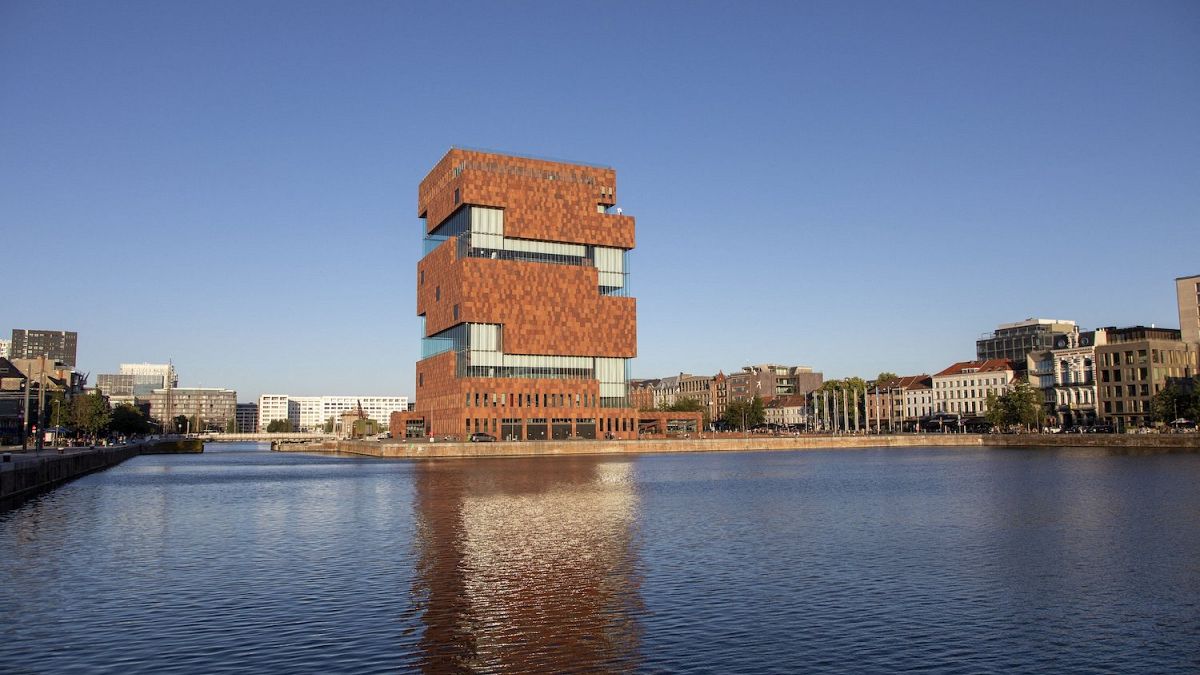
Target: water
(945,561)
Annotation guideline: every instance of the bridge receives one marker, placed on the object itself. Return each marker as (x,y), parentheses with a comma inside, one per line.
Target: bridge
(264,438)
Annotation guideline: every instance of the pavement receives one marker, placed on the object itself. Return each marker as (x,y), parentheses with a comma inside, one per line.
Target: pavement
(33,455)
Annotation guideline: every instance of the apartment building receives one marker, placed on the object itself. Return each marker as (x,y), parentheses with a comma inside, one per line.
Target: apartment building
(1135,364)
(963,387)
(57,345)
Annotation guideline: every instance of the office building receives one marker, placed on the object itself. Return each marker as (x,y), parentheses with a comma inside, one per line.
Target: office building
(1187,292)
(246,415)
(1014,341)
(1135,364)
(5,348)
(57,345)
(207,409)
(528,325)
(963,388)
(317,413)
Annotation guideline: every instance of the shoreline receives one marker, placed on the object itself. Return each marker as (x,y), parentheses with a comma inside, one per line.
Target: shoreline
(28,474)
(1139,443)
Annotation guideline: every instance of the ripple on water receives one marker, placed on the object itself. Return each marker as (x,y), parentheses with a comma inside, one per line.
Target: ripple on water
(872,561)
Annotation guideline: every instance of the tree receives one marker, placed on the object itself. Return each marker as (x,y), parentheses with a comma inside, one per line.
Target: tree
(231,426)
(329,424)
(752,413)
(279,426)
(1024,405)
(181,423)
(688,404)
(885,378)
(995,410)
(91,414)
(1177,400)
(1021,404)
(128,420)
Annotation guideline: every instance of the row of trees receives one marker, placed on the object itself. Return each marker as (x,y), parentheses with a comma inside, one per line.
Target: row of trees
(91,416)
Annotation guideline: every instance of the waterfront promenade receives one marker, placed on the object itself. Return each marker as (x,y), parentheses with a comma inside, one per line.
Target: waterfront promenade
(27,473)
(1149,443)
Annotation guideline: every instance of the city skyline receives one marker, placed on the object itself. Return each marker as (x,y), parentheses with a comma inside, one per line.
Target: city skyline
(856,189)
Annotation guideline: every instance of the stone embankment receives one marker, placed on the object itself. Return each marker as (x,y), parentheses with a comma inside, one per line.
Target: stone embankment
(418,450)
(25,474)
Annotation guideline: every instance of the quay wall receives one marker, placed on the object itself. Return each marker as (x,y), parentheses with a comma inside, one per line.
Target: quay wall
(27,475)
(419,450)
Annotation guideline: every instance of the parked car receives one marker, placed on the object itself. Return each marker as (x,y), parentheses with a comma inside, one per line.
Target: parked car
(482,437)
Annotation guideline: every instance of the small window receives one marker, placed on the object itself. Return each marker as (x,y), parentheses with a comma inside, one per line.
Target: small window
(456,312)
(457,196)
(437,294)
(422,277)
(420,379)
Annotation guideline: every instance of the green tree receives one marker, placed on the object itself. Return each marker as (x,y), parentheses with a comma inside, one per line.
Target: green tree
(752,412)
(1024,404)
(91,414)
(688,404)
(684,404)
(279,426)
(996,413)
(181,423)
(128,420)
(329,424)
(885,378)
(231,426)
(1177,401)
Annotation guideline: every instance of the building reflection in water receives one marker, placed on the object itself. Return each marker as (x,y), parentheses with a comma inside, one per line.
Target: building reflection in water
(527,564)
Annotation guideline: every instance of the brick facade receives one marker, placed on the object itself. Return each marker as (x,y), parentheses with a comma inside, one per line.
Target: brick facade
(544,310)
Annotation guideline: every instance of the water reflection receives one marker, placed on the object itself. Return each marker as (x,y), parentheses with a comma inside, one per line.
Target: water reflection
(527,568)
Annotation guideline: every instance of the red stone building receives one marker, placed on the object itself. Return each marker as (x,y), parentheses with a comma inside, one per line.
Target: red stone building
(528,328)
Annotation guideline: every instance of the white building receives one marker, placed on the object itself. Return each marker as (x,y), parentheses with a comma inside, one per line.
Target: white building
(5,348)
(787,410)
(963,388)
(273,407)
(1067,377)
(312,413)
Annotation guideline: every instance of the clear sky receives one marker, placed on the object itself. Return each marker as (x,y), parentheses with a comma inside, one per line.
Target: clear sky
(854,186)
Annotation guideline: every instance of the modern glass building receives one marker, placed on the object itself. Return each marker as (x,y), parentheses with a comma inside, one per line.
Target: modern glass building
(528,327)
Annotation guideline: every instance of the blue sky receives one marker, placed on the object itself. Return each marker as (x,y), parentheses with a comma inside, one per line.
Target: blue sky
(853,186)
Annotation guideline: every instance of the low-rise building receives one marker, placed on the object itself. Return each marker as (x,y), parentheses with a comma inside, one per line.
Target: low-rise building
(1135,365)
(787,411)
(963,388)
(900,403)
(317,413)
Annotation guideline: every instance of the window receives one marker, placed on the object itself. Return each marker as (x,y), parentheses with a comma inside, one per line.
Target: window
(437,294)
(420,379)
(422,277)
(456,312)
(457,197)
